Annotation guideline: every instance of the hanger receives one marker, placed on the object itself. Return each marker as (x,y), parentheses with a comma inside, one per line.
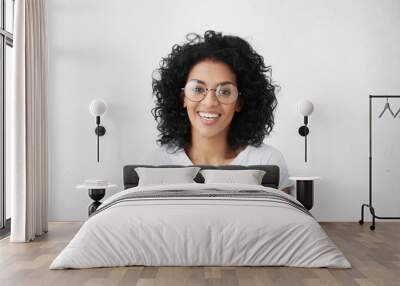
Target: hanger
(395,115)
(387,106)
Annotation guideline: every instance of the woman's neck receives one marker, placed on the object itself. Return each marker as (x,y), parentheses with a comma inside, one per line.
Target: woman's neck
(210,151)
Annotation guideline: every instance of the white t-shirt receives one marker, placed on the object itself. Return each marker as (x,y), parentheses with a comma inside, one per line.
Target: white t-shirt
(262,155)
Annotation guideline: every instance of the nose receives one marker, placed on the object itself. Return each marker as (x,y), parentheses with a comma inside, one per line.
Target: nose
(210,99)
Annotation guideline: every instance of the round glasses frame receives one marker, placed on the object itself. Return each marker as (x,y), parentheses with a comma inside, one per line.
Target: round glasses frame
(204,94)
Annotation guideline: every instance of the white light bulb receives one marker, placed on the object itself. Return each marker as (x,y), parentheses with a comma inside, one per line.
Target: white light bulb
(97,107)
(305,107)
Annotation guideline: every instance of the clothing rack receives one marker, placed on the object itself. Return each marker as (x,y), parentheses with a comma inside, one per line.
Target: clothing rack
(370,206)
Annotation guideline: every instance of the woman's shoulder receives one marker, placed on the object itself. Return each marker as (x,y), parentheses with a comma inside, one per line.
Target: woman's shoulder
(264,150)
(262,154)
(266,154)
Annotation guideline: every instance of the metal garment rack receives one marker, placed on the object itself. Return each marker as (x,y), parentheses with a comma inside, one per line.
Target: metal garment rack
(370,206)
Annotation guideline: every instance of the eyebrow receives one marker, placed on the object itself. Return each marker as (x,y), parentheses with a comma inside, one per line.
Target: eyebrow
(223,82)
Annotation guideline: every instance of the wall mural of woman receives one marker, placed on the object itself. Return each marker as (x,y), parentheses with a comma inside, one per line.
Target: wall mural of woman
(214,105)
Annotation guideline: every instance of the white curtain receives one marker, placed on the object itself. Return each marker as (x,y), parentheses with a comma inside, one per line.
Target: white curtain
(27,122)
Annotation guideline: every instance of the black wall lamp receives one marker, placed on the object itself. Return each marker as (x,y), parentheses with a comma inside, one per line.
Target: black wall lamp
(305,108)
(97,108)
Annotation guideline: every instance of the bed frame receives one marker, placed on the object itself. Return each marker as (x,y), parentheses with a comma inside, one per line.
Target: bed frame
(270,179)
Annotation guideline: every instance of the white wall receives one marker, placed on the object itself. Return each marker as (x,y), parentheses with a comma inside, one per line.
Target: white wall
(335,53)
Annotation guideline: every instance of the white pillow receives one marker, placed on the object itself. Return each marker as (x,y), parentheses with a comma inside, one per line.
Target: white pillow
(249,177)
(161,176)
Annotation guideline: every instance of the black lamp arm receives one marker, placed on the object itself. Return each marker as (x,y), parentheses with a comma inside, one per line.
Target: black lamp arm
(99,131)
(303,131)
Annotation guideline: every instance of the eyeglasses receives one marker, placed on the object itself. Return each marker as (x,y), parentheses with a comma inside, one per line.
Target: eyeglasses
(226,93)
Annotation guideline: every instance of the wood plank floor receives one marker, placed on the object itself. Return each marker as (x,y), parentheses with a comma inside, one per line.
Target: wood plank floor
(374,255)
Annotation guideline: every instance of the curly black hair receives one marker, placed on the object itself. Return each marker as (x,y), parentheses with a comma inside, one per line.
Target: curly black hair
(257,92)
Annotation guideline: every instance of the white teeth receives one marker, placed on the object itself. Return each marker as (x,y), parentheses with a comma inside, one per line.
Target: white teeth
(208,115)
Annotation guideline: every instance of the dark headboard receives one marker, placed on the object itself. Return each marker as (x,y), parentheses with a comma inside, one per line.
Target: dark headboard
(270,179)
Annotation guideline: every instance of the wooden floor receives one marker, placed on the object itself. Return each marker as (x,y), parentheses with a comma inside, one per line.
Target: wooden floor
(374,255)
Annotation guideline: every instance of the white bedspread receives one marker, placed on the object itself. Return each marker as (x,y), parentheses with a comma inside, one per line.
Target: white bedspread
(200,231)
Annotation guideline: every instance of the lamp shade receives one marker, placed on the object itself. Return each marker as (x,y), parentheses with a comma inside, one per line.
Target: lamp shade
(305,107)
(97,107)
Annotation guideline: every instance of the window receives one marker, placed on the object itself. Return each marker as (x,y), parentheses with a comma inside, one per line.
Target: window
(6,44)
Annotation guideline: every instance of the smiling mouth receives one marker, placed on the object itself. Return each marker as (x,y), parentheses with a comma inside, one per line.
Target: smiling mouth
(209,116)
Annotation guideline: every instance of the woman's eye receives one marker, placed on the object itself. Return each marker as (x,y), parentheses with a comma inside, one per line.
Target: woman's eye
(225,92)
(198,89)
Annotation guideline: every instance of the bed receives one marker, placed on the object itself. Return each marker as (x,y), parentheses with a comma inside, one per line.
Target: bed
(201,224)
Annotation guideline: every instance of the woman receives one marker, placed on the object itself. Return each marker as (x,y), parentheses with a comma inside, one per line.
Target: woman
(214,105)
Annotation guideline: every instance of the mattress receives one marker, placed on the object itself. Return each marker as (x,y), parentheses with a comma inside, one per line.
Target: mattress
(201,225)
